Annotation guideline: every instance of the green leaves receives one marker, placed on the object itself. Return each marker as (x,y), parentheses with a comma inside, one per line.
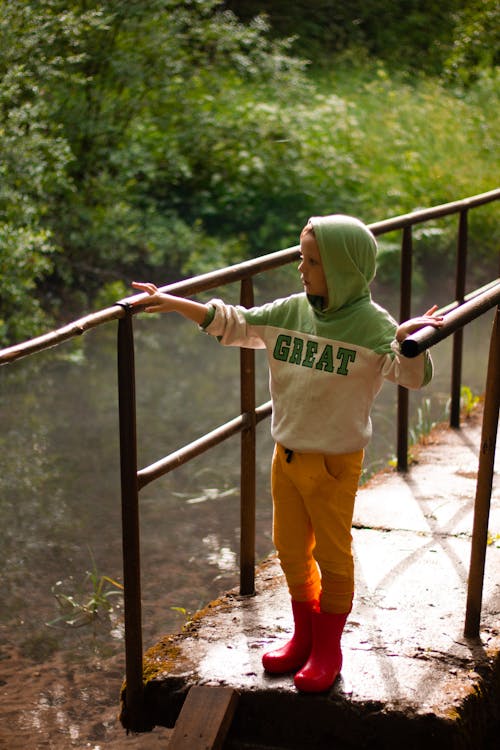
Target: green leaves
(170,137)
(25,257)
(476,46)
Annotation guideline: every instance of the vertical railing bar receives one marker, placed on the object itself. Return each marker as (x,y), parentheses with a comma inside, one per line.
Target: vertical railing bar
(404,314)
(484,485)
(458,336)
(248,457)
(132,714)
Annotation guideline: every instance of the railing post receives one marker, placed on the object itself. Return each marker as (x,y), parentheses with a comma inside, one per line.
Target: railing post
(132,713)
(484,484)
(248,457)
(458,336)
(404,314)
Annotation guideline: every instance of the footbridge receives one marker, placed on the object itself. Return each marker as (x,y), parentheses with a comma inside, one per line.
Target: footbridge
(422,644)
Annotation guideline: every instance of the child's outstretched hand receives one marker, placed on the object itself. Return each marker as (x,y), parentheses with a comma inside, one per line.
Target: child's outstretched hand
(429,318)
(158,301)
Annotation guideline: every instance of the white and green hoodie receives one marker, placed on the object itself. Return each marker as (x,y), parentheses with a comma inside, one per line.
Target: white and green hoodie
(326,365)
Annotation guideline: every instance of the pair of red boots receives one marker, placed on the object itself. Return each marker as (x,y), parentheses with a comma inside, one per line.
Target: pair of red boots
(314,649)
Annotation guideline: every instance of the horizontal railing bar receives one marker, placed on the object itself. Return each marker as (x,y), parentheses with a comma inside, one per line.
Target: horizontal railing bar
(191,450)
(231,274)
(228,275)
(48,340)
(471,295)
(199,446)
(263,411)
(274,260)
(456,318)
(435,212)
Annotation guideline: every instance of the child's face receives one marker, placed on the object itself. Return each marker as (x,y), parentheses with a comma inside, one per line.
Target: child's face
(311,267)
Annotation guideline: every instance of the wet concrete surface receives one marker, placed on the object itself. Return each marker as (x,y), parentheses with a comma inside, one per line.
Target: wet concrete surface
(410,678)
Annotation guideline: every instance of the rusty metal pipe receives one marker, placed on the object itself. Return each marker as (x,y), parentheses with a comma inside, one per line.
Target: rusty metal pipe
(436,212)
(458,337)
(404,314)
(484,485)
(132,713)
(197,447)
(233,273)
(248,457)
(454,319)
(191,450)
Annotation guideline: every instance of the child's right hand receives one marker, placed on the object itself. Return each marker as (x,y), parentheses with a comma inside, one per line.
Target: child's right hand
(158,301)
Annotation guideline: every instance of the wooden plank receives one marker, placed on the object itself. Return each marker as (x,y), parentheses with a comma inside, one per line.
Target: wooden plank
(205,718)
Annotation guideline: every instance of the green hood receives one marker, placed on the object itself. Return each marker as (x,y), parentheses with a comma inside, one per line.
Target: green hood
(348,251)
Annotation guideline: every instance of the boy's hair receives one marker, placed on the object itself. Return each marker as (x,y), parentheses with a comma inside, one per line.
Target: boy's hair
(308,229)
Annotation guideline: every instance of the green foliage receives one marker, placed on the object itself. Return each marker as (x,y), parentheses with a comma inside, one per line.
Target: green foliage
(468,401)
(33,158)
(24,259)
(423,424)
(169,137)
(130,112)
(97,602)
(109,293)
(412,137)
(243,162)
(476,46)
(250,169)
(412,35)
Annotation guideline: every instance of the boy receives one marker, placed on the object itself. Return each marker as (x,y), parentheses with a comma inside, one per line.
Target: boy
(329,350)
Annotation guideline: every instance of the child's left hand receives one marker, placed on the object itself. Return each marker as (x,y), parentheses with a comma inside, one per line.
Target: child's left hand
(429,318)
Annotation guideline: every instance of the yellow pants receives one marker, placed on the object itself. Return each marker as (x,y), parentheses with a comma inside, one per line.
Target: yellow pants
(313,498)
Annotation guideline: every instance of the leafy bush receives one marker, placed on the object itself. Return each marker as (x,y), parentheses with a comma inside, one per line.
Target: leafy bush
(250,167)
(354,142)
(166,138)
(414,35)
(476,45)
(413,136)
(24,259)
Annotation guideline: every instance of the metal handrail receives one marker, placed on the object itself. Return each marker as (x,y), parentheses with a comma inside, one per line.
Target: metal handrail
(132,479)
(484,484)
(237,272)
(457,317)
(197,447)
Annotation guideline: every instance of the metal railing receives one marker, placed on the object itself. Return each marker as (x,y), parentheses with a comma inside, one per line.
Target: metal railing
(456,318)
(459,313)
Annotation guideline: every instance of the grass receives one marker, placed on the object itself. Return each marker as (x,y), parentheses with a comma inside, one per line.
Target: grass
(419,142)
(357,140)
(423,424)
(97,592)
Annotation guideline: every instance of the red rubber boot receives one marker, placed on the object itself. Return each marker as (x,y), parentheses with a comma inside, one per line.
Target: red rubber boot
(325,661)
(294,654)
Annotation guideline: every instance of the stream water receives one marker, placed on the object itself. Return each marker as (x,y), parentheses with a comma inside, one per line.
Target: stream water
(60,536)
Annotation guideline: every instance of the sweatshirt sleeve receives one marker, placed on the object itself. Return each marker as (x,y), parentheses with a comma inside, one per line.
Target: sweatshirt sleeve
(231,325)
(410,373)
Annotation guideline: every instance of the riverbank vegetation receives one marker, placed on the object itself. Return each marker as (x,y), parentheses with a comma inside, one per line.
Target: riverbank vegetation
(166,138)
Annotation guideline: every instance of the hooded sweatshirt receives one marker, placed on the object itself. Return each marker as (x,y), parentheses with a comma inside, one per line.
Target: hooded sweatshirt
(326,363)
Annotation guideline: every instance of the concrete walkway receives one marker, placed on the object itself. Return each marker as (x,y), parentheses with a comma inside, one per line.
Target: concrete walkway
(410,678)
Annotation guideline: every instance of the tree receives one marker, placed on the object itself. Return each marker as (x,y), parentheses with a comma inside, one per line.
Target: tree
(33,159)
(476,47)
(87,88)
(411,35)
(130,69)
